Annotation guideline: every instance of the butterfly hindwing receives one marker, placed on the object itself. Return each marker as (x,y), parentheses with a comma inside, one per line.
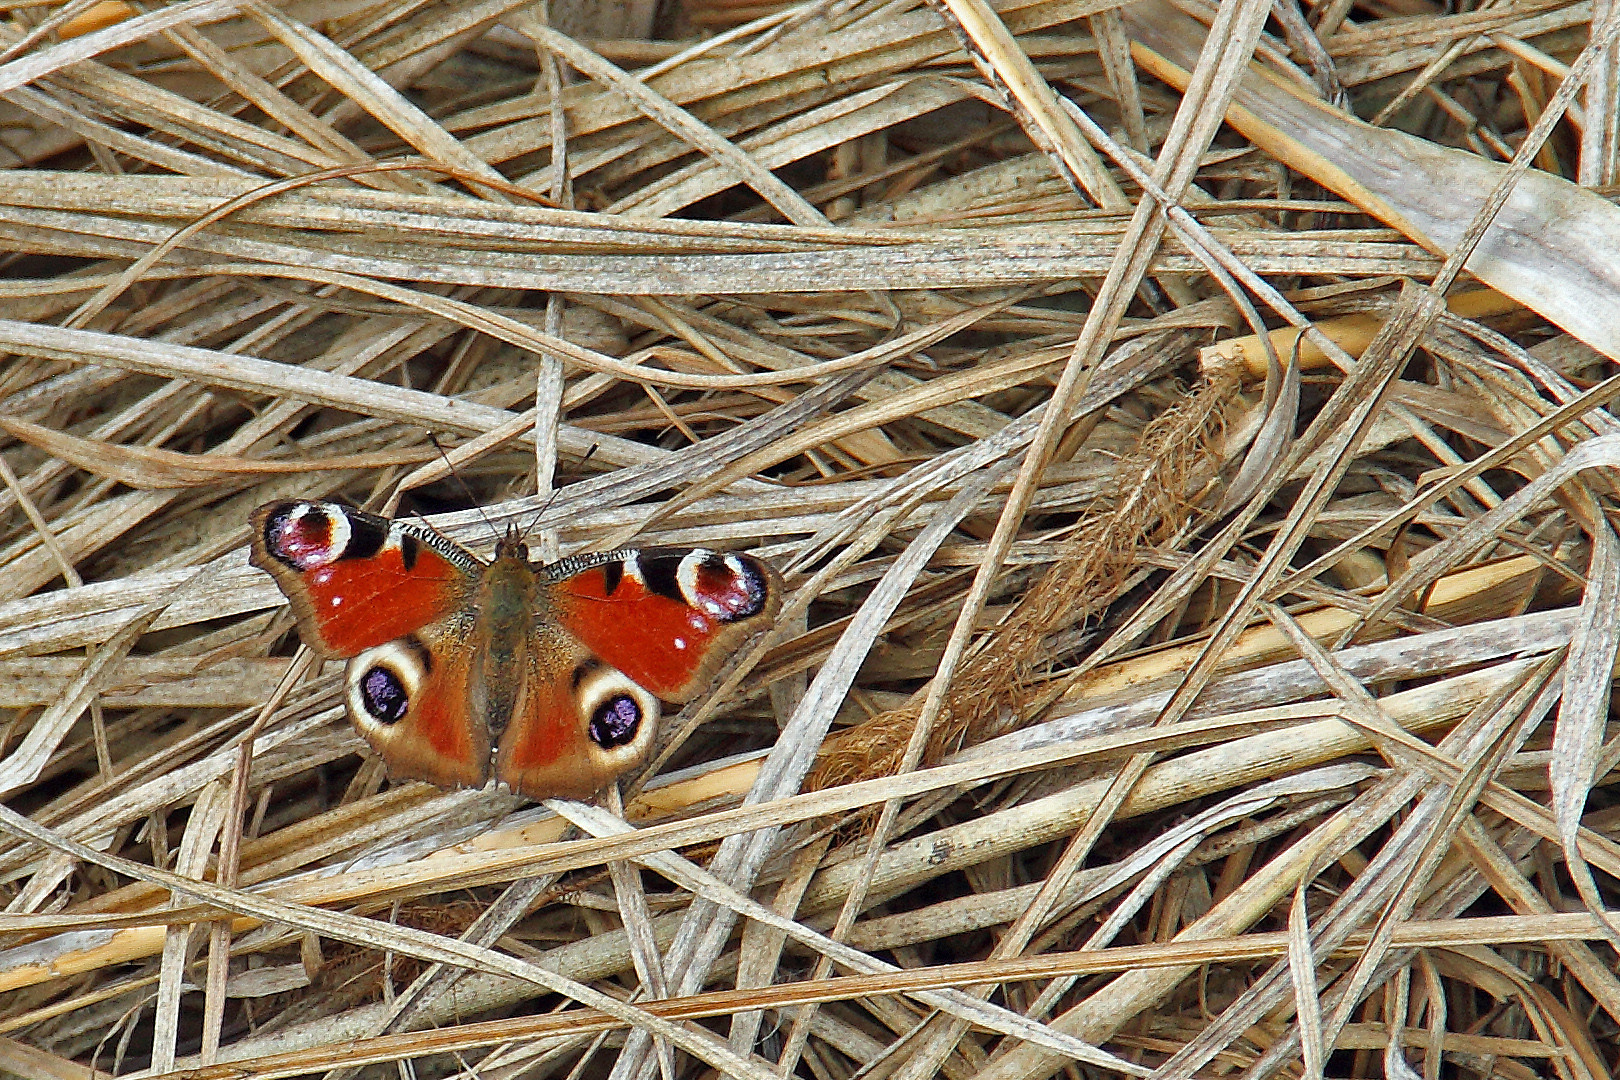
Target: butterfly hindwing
(666,619)
(409,699)
(579,722)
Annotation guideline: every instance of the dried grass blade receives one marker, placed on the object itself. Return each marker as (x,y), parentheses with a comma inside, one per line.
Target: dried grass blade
(1004,64)
(1449,933)
(1508,721)
(26,69)
(207,818)
(706,884)
(1570,279)
(761,947)
(1509,883)
(1593,453)
(25,1060)
(681,124)
(152,468)
(1578,744)
(370,92)
(1302,974)
(402,939)
(24,764)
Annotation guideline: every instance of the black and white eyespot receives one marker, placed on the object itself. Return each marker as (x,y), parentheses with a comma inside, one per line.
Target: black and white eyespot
(307,535)
(723,587)
(619,716)
(383,681)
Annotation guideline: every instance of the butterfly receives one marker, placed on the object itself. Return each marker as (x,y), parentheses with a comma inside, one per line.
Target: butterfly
(548,677)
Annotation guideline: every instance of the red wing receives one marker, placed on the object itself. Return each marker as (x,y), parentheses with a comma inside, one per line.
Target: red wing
(668,620)
(408,698)
(578,722)
(357,580)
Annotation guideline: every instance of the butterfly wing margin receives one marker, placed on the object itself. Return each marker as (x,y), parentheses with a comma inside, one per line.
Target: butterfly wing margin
(356,580)
(667,619)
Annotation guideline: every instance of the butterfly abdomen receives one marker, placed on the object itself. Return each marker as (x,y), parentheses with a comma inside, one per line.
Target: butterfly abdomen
(508,599)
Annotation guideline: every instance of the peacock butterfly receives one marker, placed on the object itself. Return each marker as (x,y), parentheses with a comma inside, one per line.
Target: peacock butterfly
(548,676)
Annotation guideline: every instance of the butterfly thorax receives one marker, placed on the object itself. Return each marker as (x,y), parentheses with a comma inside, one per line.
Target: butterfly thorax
(508,596)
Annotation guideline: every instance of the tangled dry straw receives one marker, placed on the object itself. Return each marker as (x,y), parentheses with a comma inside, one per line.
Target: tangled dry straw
(1194,503)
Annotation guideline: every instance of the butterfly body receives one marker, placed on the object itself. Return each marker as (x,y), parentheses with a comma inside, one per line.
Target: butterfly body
(547,677)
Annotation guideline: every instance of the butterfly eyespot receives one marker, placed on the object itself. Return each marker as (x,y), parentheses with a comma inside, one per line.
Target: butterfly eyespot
(383,695)
(306,536)
(382,682)
(728,588)
(615,721)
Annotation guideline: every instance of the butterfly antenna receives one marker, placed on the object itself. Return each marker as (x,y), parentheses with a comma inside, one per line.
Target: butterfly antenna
(472,499)
(553,496)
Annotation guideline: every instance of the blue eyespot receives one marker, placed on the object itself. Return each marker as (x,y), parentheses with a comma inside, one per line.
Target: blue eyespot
(614,722)
(383,695)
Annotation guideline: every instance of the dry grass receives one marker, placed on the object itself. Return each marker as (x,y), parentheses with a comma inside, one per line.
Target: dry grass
(1193,503)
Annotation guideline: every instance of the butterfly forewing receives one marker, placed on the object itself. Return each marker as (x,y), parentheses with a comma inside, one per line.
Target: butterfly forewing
(357,580)
(667,619)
